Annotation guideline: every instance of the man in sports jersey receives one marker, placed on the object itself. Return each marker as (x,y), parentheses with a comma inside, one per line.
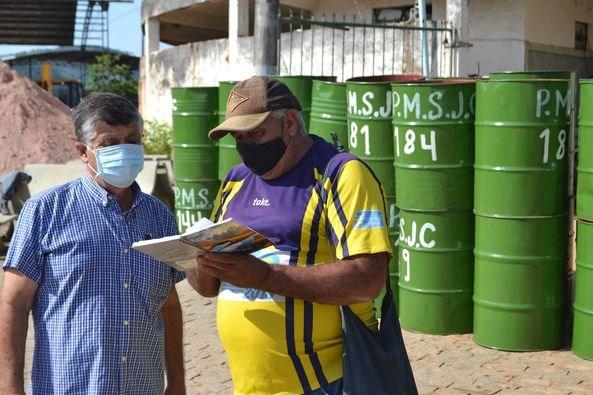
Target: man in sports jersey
(278,310)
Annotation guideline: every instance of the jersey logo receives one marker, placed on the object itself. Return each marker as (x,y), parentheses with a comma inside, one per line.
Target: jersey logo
(369,219)
(261,202)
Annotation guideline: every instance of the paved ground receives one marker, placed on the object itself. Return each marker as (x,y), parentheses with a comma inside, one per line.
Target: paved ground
(442,364)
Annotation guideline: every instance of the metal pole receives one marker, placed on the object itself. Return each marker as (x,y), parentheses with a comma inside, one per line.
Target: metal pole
(302,38)
(322,44)
(353,44)
(266,36)
(311,41)
(422,18)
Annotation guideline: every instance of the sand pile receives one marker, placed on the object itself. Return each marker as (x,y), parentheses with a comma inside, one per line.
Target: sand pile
(35,127)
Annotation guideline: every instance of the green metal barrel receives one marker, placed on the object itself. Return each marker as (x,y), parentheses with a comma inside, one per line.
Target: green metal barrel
(195,156)
(433,132)
(300,86)
(228,157)
(530,75)
(582,338)
(521,208)
(369,123)
(194,201)
(585,165)
(328,111)
(436,271)
(582,341)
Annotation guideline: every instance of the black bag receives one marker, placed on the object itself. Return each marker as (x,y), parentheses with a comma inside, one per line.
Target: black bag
(374,362)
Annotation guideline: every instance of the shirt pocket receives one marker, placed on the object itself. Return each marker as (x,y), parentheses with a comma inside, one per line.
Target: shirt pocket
(153,278)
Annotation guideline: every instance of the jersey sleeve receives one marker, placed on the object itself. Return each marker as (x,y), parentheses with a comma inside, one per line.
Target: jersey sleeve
(25,251)
(356,212)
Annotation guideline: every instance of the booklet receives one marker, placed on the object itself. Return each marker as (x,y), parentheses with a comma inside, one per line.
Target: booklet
(181,251)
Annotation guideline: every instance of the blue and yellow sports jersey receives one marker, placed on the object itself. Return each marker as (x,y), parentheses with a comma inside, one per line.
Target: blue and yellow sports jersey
(277,344)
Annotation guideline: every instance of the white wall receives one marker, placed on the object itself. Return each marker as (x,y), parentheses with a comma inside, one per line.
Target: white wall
(197,64)
(496,32)
(552,22)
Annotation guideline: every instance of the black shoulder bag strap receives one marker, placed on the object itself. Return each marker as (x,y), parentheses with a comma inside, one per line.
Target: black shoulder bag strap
(375,362)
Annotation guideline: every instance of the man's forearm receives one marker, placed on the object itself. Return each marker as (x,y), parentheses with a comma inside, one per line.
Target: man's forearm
(173,328)
(13,335)
(338,283)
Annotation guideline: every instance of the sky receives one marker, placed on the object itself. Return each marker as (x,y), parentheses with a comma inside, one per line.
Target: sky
(125,30)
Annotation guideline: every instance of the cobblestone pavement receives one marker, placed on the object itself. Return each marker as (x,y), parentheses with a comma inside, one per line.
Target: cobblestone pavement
(442,364)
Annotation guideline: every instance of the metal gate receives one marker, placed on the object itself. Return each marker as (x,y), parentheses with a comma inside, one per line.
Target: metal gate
(332,45)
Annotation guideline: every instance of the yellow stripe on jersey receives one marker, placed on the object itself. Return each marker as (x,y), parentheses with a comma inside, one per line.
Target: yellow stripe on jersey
(357,212)
(226,192)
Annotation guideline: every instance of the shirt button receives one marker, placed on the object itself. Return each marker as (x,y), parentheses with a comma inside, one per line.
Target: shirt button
(125,250)
(126,285)
(126,322)
(124,359)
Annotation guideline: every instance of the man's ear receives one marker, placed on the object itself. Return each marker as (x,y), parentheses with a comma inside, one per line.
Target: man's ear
(291,120)
(82,150)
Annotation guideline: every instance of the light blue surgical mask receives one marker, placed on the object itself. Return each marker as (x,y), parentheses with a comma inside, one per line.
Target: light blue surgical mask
(120,164)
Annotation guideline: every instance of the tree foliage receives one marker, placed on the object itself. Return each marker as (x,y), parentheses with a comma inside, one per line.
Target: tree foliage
(109,74)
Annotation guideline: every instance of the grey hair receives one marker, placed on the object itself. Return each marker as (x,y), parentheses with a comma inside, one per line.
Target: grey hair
(115,110)
(300,121)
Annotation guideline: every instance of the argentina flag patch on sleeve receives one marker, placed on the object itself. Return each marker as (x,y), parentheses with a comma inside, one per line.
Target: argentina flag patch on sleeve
(368,219)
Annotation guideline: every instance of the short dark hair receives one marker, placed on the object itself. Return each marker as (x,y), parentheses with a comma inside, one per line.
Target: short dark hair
(107,107)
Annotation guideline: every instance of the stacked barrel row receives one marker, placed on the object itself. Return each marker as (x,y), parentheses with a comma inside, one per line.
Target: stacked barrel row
(433,129)
(520,205)
(583,303)
(195,157)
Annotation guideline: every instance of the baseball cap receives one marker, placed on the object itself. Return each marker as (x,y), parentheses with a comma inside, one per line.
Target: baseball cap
(251,101)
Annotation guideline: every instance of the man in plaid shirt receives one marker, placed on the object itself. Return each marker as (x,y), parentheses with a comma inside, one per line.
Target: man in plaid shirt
(107,318)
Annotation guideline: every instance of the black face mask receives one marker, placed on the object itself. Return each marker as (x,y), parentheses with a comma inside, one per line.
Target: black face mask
(261,158)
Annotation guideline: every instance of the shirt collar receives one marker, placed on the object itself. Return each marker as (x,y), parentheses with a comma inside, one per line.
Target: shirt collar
(103,197)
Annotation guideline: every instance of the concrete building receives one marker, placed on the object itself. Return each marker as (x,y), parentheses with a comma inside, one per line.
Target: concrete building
(207,41)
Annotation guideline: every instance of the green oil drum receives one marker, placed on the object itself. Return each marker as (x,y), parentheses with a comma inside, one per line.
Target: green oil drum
(582,338)
(194,201)
(585,165)
(300,86)
(228,157)
(328,111)
(530,75)
(436,271)
(369,123)
(393,227)
(433,131)
(521,208)
(433,138)
(195,156)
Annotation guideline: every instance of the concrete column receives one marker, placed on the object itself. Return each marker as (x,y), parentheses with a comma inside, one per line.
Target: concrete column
(266,36)
(458,16)
(151,35)
(238,27)
(151,44)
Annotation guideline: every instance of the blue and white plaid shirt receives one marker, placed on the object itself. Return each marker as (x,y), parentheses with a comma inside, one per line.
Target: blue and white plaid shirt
(97,312)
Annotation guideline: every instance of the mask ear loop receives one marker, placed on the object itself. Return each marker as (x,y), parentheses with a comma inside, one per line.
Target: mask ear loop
(96,160)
